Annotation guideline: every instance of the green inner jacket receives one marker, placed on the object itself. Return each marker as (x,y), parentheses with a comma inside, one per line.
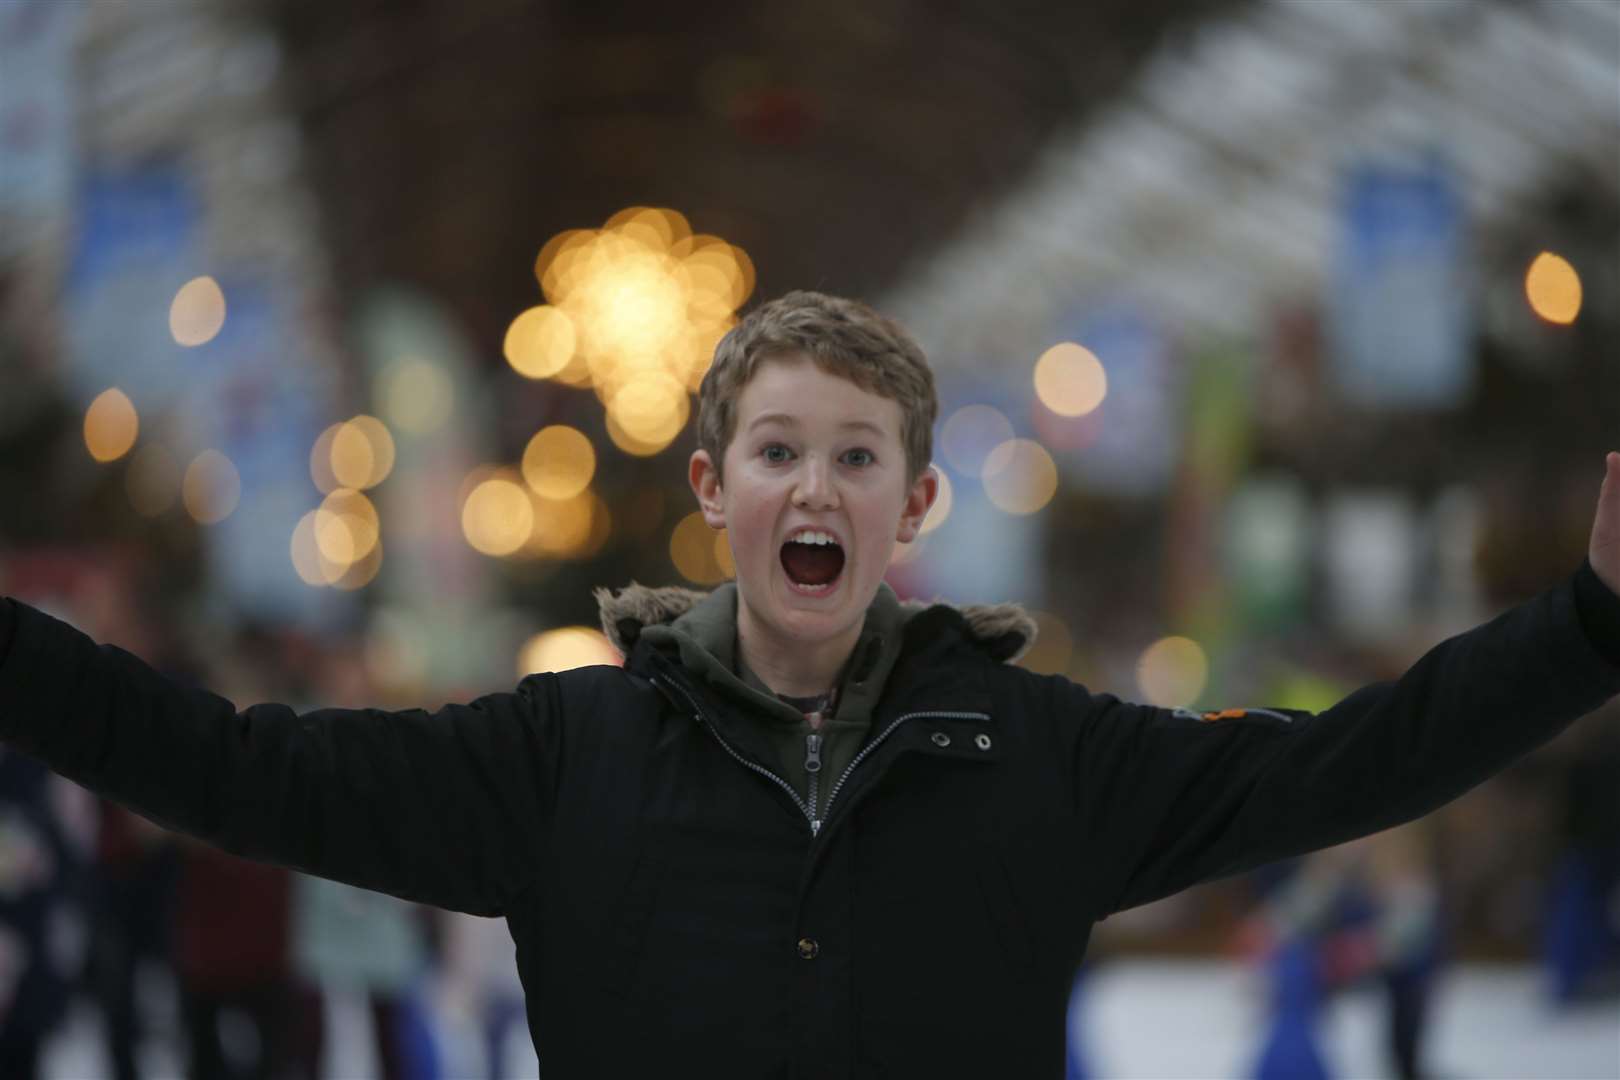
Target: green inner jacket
(706,637)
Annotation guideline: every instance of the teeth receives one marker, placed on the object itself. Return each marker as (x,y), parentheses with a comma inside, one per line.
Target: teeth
(811,536)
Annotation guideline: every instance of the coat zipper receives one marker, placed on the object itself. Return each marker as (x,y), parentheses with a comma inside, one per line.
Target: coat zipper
(813,754)
(697,714)
(812,768)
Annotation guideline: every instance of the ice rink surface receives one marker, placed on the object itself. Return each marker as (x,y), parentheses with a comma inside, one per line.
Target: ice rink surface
(1152,1020)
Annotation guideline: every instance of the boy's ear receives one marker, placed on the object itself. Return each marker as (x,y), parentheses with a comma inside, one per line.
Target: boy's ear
(704,477)
(924,490)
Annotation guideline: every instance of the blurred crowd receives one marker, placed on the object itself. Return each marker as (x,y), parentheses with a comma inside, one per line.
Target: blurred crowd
(195,959)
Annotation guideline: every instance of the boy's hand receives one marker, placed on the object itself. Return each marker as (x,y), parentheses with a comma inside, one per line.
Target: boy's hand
(1604,550)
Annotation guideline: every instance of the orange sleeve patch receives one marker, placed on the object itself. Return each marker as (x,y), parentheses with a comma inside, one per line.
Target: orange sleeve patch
(1225,714)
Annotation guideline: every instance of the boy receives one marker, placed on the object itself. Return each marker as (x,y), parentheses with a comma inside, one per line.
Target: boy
(807,830)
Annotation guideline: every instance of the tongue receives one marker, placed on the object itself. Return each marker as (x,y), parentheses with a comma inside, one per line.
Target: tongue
(812,564)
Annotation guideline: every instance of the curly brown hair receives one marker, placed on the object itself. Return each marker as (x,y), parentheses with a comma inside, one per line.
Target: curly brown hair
(842,337)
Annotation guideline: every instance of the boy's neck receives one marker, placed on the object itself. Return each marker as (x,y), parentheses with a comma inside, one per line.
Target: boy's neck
(795,668)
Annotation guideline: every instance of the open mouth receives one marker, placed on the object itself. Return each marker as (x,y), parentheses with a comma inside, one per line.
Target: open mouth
(812,560)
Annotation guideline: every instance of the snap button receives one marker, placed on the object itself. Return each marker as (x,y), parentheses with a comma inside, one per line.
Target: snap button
(808,948)
(982,741)
(940,738)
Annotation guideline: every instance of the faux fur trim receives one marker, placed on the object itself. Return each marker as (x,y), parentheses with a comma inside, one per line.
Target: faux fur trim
(1004,631)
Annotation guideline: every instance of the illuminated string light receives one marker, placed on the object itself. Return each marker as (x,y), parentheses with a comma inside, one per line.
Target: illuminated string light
(1070,380)
(110,426)
(1172,672)
(197,313)
(1553,288)
(1020,477)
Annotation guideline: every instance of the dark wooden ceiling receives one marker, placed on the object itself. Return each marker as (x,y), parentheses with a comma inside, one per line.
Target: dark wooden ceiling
(835,141)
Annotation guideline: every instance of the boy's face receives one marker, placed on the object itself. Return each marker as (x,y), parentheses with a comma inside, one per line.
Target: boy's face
(811,453)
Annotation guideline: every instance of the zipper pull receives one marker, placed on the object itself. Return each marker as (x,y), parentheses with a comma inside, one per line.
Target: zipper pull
(812,753)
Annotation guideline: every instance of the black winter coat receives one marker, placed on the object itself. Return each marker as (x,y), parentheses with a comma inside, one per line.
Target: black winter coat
(673,913)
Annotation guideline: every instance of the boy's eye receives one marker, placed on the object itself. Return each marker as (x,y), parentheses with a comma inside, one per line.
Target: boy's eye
(776,453)
(859,458)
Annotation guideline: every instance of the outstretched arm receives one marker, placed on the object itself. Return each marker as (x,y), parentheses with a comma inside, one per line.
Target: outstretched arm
(1175,797)
(444,808)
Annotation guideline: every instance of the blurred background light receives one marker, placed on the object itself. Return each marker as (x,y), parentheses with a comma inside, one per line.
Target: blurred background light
(497,516)
(1070,380)
(1172,672)
(540,342)
(970,433)
(1020,477)
(565,648)
(417,396)
(198,312)
(1553,288)
(692,550)
(110,425)
(362,453)
(210,488)
(558,462)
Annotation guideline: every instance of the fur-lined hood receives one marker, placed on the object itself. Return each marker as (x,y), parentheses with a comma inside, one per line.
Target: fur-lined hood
(1004,631)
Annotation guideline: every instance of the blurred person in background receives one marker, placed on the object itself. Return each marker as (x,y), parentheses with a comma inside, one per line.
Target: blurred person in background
(676,903)
(1580,940)
(43,858)
(133,884)
(232,928)
(1365,911)
(480,989)
(347,940)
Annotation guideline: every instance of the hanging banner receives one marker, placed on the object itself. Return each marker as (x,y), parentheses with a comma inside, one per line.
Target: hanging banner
(1128,445)
(37,108)
(1398,303)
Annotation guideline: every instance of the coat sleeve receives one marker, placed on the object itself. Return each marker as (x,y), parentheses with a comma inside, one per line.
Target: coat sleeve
(445,808)
(1170,797)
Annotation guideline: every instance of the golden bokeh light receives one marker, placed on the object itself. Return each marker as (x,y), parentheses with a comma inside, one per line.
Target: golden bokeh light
(362,453)
(497,516)
(1053,647)
(969,434)
(691,548)
(417,396)
(1172,672)
(564,649)
(942,504)
(110,425)
(540,342)
(308,562)
(1553,288)
(651,408)
(362,571)
(1020,477)
(346,526)
(1070,380)
(645,301)
(320,460)
(559,462)
(210,488)
(571,528)
(153,480)
(634,446)
(197,312)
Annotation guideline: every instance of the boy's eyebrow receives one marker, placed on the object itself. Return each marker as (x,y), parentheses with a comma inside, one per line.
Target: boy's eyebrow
(787,420)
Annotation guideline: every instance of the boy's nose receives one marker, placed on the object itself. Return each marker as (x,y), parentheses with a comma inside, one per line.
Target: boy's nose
(814,490)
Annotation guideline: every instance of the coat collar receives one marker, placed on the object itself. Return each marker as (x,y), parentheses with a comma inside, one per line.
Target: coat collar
(1002,632)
